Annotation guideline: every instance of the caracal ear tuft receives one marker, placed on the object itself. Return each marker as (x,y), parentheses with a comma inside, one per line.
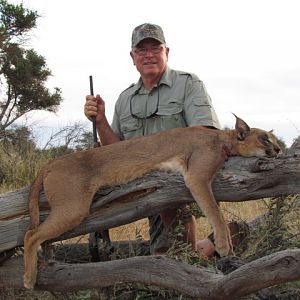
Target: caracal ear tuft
(241,127)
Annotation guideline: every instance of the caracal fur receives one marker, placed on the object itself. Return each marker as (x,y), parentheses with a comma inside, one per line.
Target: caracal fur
(71,181)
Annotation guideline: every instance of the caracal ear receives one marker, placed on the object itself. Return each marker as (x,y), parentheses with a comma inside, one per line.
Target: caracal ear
(242,128)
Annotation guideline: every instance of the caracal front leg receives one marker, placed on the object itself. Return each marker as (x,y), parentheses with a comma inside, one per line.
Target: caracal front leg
(198,178)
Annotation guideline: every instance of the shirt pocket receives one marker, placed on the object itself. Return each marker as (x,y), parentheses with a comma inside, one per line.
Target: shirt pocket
(172,107)
(130,127)
(171,114)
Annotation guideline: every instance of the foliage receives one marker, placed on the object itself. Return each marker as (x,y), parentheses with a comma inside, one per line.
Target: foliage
(19,161)
(23,72)
(85,141)
(279,230)
(18,21)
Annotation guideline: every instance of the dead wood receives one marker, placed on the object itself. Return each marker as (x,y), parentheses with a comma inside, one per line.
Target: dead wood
(161,271)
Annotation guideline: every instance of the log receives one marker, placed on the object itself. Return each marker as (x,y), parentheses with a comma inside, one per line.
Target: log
(193,281)
(241,179)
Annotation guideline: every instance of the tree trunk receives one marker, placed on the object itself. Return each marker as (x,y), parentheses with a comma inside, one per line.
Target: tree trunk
(193,281)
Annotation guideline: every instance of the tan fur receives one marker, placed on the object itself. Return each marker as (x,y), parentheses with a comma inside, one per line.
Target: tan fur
(71,181)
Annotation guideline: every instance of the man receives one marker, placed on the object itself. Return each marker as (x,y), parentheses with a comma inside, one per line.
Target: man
(162,99)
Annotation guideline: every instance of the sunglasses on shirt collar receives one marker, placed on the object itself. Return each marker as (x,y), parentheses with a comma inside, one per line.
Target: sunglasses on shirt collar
(145,117)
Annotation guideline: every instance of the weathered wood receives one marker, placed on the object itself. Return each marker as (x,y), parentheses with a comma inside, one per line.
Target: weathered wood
(240,180)
(194,281)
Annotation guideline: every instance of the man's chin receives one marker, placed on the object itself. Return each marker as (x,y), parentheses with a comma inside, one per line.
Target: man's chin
(151,71)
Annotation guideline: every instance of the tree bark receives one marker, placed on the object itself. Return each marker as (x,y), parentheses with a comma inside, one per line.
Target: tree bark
(240,179)
(193,281)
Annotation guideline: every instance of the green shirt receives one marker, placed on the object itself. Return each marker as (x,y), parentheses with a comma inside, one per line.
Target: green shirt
(179,100)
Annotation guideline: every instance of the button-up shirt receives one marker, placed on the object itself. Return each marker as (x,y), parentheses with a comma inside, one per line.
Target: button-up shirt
(179,100)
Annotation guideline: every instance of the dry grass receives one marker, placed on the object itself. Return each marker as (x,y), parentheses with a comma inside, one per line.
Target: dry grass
(246,211)
(129,231)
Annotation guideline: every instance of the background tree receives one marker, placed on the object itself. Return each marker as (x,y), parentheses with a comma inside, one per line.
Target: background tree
(72,137)
(23,72)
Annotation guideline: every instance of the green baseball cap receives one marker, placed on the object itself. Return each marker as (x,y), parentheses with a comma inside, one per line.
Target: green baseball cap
(147,31)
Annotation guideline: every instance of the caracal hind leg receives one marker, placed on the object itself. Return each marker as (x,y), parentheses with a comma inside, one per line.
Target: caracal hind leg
(198,179)
(60,220)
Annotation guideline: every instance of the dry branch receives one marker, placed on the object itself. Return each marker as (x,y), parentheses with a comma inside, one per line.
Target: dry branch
(160,271)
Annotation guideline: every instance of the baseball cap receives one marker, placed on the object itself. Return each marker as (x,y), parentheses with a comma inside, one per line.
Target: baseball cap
(147,31)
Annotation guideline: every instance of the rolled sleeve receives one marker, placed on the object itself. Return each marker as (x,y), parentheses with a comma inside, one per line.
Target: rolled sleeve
(198,109)
(115,125)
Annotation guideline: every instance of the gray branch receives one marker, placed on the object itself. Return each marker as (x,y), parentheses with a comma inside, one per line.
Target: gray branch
(270,270)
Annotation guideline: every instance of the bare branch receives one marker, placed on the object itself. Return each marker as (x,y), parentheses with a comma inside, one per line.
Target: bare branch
(193,281)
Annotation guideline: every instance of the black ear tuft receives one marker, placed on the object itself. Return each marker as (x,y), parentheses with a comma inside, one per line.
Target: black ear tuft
(242,128)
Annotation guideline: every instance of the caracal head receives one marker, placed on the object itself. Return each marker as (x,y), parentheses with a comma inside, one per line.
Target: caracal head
(254,141)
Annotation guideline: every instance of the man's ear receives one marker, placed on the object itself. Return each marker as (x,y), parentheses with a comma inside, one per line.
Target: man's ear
(242,128)
(167,52)
(131,54)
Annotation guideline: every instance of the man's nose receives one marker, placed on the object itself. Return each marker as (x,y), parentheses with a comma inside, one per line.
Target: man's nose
(149,53)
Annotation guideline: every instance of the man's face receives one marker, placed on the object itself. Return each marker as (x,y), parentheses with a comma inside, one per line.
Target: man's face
(150,57)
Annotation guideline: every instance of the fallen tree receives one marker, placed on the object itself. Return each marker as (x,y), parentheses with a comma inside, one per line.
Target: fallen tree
(161,271)
(240,180)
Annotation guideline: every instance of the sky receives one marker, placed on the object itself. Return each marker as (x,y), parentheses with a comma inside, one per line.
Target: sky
(247,53)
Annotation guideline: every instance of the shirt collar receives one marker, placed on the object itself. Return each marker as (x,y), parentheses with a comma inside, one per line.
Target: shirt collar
(165,79)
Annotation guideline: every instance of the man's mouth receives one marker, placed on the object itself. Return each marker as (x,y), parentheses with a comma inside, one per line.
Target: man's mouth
(149,63)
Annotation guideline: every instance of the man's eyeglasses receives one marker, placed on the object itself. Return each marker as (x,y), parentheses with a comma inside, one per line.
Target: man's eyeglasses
(144,51)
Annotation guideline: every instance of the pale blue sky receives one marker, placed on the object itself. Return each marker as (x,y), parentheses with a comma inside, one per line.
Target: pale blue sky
(245,51)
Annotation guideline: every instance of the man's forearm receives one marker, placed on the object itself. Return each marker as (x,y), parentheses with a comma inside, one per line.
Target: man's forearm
(106,134)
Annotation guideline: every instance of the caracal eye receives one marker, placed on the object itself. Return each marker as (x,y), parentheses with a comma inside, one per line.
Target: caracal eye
(265,140)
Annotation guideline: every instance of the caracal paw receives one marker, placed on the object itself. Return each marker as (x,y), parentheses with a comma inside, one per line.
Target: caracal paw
(223,247)
(29,282)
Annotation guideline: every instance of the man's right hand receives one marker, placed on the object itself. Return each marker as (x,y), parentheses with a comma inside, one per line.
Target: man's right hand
(94,107)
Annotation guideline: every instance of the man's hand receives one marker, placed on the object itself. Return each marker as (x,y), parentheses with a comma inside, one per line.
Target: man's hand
(94,107)
(205,248)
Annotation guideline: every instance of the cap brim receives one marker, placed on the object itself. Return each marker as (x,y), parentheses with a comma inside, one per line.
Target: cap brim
(145,38)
